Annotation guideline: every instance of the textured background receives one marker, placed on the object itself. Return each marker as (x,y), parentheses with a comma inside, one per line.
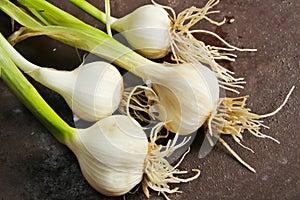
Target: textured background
(33,165)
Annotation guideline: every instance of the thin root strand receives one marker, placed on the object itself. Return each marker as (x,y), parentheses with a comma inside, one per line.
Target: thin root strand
(158,172)
(236,155)
(233,118)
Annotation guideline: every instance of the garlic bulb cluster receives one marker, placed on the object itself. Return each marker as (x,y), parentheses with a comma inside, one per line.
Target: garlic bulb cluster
(188,94)
(93,90)
(147,30)
(114,153)
(111,154)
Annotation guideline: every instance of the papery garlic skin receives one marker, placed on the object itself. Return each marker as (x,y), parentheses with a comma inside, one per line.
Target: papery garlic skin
(188,94)
(97,91)
(111,154)
(147,30)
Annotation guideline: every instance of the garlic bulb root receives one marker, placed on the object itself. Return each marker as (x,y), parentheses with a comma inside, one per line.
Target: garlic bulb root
(233,118)
(158,173)
(186,48)
(137,103)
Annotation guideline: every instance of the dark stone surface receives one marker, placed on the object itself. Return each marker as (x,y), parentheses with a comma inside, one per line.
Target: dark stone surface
(35,166)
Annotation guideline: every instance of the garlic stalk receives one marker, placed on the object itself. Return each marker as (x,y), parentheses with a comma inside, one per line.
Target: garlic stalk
(29,96)
(93,90)
(114,154)
(107,13)
(154,33)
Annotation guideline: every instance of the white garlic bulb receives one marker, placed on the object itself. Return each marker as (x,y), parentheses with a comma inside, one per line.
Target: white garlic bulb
(97,91)
(114,156)
(93,91)
(188,94)
(147,30)
(111,154)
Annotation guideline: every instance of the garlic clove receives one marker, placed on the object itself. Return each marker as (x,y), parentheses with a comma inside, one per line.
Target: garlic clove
(147,30)
(111,154)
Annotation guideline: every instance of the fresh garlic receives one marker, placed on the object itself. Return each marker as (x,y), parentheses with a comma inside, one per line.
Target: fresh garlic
(188,94)
(111,154)
(93,90)
(97,91)
(147,30)
(115,156)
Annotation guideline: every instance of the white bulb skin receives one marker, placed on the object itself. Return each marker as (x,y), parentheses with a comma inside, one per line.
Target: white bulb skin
(147,30)
(93,91)
(97,91)
(188,94)
(111,154)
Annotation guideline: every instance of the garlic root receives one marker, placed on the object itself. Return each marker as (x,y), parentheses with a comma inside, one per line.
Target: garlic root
(233,118)
(158,172)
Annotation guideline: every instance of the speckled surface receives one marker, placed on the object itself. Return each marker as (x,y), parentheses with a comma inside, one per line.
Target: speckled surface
(35,166)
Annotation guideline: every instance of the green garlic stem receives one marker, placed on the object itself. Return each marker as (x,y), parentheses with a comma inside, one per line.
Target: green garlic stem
(28,95)
(49,14)
(77,34)
(18,14)
(19,60)
(107,17)
(93,11)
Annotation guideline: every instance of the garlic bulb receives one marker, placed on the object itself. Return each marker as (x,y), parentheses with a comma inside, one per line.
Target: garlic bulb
(93,91)
(114,156)
(147,30)
(97,91)
(188,94)
(111,154)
